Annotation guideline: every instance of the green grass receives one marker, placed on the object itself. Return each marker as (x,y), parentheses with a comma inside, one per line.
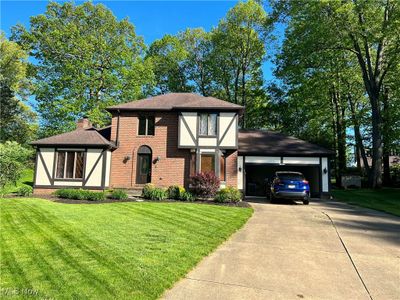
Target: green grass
(106,251)
(386,199)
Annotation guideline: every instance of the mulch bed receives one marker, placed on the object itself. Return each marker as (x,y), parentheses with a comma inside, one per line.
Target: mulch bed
(136,199)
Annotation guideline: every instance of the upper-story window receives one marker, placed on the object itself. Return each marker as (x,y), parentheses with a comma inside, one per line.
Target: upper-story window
(146,125)
(208,124)
(69,164)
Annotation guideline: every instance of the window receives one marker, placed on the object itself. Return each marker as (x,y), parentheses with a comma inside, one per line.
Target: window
(208,124)
(146,125)
(69,165)
(207,163)
(222,168)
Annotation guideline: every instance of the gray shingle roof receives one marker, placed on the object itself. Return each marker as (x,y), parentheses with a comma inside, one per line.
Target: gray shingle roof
(77,137)
(265,142)
(177,101)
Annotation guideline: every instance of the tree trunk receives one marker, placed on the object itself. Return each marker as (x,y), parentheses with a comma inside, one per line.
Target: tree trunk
(375,177)
(340,135)
(386,139)
(358,138)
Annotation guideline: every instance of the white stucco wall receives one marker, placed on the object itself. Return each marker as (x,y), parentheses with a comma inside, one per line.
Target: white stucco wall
(108,168)
(208,141)
(95,177)
(41,177)
(185,139)
(240,170)
(325,176)
(228,124)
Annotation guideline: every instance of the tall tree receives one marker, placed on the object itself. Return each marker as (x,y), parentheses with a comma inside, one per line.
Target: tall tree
(167,56)
(239,50)
(369,30)
(17,121)
(85,60)
(198,63)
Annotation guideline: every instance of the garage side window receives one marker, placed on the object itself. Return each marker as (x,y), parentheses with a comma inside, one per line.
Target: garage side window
(69,165)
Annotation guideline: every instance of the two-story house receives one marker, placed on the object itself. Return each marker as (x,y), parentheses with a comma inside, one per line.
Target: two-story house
(166,139)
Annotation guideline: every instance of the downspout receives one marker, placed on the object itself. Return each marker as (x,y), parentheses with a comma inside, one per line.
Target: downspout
(117,135)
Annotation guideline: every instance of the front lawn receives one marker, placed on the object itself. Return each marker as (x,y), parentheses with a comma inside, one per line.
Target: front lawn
(386,199)
(106,251)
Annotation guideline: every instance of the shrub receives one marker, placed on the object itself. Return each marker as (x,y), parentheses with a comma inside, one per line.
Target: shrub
(147,190)
(119,194)
(205,184)
(13,160)
(153,193)
(228,194)
(80,194)
(158,194)
(24,190)
(186,196)
(175,192)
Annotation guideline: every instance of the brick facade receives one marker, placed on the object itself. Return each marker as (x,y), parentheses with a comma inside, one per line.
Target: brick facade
(173,166)
(231,168)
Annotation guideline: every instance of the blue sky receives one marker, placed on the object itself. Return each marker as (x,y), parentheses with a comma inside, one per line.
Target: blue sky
(152,19)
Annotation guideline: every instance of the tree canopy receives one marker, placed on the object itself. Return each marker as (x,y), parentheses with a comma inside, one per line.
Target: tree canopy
(85,60)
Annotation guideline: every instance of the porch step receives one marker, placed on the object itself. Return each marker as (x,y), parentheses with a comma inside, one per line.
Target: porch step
(134,191)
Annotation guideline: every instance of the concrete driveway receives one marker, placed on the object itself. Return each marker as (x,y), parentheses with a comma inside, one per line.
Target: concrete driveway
(325,250)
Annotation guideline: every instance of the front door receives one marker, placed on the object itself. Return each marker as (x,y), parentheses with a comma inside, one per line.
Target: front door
(144,168)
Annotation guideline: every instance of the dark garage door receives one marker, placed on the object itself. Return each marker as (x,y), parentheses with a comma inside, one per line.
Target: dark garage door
(257,173)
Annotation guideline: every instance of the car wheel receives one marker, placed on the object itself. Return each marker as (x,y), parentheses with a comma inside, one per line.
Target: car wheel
(306,201)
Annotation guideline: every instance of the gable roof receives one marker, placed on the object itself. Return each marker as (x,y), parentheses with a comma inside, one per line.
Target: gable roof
(78,137)
(177,101)
(265,142)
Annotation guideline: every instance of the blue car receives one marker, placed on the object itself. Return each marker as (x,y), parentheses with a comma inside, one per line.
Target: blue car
(289,185)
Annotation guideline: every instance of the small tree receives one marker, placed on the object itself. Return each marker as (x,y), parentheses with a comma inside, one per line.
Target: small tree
(13,159)
(205,184)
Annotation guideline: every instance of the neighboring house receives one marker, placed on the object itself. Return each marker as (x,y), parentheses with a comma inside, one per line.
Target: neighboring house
(166,139)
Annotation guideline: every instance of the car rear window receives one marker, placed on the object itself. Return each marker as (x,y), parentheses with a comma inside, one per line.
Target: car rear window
(290,176)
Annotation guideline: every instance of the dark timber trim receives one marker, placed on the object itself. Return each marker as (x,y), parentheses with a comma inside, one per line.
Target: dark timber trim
(45,168)
(227,129)
(84,166)
(188,129)
(103,170)
(320,177)
(68,187)
(93,168)
(117,133)
(36,164)
(54,164)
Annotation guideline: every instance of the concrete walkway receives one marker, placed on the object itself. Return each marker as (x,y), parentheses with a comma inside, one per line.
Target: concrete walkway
(325,250)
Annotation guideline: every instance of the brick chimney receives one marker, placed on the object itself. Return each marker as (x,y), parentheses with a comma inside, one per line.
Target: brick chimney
(83,123)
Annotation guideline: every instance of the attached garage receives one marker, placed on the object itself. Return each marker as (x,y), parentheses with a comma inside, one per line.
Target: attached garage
(262,153)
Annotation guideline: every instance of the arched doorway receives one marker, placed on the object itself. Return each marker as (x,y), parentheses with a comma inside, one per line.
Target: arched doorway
(143,171)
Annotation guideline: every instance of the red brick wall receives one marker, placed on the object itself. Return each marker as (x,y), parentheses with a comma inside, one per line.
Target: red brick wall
(173,167)
(231,168)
